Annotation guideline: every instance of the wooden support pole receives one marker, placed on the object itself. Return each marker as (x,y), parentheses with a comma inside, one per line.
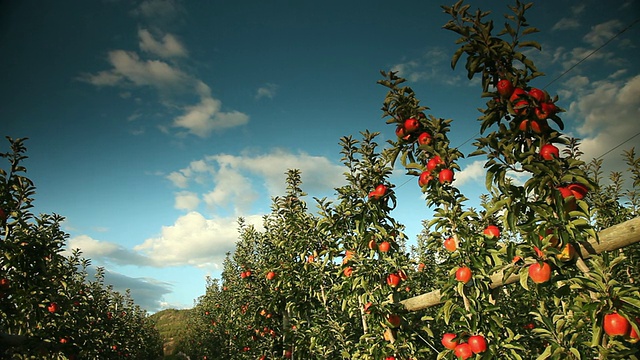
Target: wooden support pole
(612,238)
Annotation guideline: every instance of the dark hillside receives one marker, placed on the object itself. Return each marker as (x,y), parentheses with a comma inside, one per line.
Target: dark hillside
(172,325)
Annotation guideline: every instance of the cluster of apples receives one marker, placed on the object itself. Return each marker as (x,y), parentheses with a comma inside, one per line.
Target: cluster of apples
(475,344)
(411,131)
(534,106)
(245,274)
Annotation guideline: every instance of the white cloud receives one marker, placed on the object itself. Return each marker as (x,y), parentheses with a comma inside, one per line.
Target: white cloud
(607,114)
(566,23)
(159,12)
(146,292)
(179,179)
(107,252)
(234,180)
(600,33)
(268,91)
(473,172)
(231,187)
(570,22)
(203,118)
(130,70)
(186,200)
(167,47)
(195,240)
(428,67)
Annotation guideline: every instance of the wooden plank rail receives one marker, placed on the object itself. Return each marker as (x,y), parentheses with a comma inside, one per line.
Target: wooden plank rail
(612,238)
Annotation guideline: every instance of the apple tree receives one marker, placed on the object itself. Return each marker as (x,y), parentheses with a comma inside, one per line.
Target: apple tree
(48,306)
(534,220)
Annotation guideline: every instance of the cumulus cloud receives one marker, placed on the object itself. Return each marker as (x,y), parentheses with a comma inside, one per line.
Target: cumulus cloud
(600,33)
(148,293)
(166,47)
(571,22)
(607,114)
(106,252)
(203,118)
(130,69)
(195,240)
(473,172)
(266,91)
(187,200)
(159,12)
(231,180)
(426,68)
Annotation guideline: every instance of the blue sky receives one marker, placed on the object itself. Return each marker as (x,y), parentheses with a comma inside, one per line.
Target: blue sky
(154,124)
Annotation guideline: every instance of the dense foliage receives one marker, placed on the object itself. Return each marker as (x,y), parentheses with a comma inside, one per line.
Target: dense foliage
(328,284)
(49,307)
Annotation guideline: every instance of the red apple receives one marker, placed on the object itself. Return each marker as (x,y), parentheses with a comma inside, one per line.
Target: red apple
(411,125)
(633,335)
(393,280)
(540,113)
(521,107)
(271,275)
(549,108)
(450,244)
(384,246)
(448,342)
(505,88)
(421,267)
(378,193)
(540,95)
(347,271)
(540,272)
(425,178)
(491,231)
(53,307)
(424,139)
(565,192)
(463,351)
(549,152)
(434,162)
(394,320)
(616,325)
(532,125)
(463,274)
(445,176)
(372,244)
(477,343)
(578,190)
(517,93)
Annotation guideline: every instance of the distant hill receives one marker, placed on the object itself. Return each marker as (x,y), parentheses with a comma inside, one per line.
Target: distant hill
(172,325)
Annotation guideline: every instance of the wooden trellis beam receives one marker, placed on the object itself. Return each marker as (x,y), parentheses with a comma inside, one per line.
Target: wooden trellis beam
(612,238)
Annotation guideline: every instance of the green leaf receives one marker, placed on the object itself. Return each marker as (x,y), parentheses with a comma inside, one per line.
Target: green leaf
(575,352)
(524,277)
(633,301)
(546,354)
(456,57)
(534,44)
